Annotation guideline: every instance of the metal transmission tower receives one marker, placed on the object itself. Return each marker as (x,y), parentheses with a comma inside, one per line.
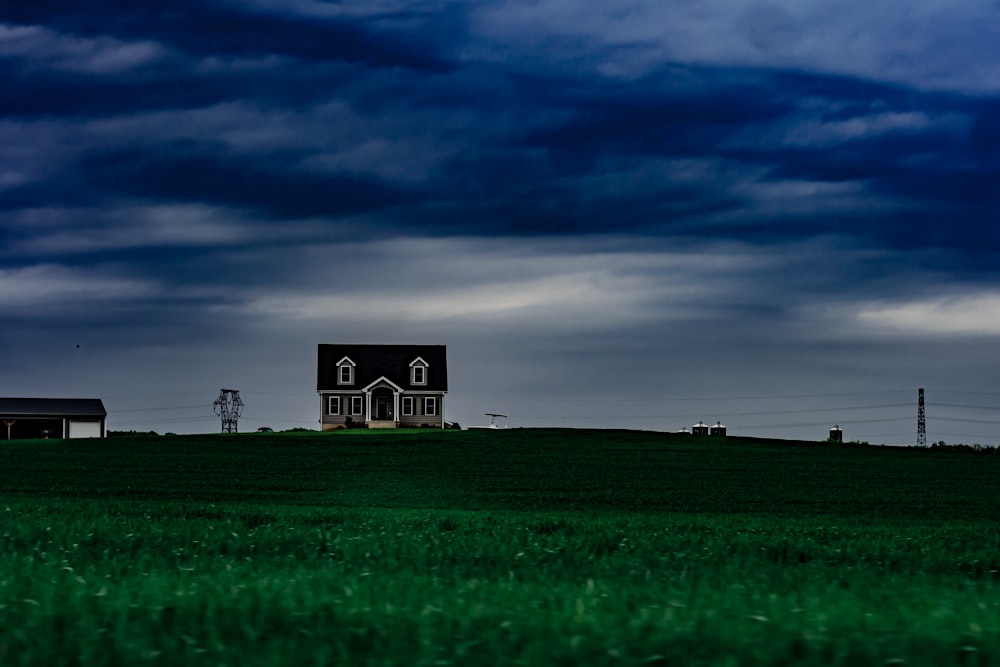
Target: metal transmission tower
(921,420)
(229,406)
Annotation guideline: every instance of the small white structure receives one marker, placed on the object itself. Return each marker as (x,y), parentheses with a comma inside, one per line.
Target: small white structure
(718,429)
(493,425)
(836,434)
(699,429)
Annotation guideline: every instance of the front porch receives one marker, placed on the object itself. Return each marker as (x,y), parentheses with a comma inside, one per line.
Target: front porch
(382,423)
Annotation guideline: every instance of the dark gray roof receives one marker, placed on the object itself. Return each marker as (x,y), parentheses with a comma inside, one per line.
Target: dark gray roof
(375,361)
(52,407)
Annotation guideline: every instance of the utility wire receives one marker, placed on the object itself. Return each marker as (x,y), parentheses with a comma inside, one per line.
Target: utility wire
(965,407)
(969,421)
(175,407)
(657,399)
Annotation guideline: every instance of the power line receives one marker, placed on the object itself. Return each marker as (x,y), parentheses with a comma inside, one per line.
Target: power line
(966,407)
(166,420)
(809,410)
(175,407)
(726,414)
(970,421)
(751,397)
(847,422)
(962,391)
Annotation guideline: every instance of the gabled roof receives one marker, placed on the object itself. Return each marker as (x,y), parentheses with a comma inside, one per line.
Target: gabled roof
(374,361)
(52,407)
(382,380)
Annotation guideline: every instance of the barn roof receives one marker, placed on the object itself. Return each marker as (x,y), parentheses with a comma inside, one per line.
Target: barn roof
(391,361)
(52,407)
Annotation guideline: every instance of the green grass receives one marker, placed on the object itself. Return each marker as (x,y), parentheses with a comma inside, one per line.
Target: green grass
(516,547)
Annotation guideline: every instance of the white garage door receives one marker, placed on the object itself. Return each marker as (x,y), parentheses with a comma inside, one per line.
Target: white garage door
(82,429)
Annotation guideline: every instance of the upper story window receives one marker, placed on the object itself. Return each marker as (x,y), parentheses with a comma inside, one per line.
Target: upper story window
(345,371)
(418,371)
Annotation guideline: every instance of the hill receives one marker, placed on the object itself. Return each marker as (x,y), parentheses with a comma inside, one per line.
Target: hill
(516,469)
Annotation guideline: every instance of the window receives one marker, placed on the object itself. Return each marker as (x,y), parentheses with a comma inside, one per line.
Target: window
(418,371)
(345,371)
(430,405)
(333,405)
(407,405)
(357,405)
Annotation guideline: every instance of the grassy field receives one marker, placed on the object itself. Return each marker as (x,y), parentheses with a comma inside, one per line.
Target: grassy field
(514,547)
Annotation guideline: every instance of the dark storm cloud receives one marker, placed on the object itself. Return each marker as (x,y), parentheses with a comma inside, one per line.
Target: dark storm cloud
(539,153)
(660,114)
(272,186)
(779,191)
(240,29)
(171,85)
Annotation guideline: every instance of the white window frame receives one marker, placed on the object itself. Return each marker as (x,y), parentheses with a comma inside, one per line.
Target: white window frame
(430,400)
(421,365)
(348,365)
(330,403)
(357,405)
(407,406)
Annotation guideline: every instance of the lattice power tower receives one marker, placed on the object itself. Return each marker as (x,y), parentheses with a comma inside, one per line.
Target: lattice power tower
(921,420)
(229,406)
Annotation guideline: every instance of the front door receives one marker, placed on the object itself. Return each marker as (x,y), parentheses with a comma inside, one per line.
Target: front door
(382,404)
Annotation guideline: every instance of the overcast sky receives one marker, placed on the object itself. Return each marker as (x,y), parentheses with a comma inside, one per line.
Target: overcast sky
(781,215)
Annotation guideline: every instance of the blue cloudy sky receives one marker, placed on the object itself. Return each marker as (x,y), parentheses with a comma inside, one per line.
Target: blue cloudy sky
(778,214)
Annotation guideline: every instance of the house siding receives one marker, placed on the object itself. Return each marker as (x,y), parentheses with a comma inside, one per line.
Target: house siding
(334,421)
(420,416)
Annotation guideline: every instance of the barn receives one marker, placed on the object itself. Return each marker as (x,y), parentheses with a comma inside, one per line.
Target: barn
(22,418)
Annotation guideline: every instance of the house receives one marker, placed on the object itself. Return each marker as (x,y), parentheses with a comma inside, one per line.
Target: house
(22,418)
(383,386)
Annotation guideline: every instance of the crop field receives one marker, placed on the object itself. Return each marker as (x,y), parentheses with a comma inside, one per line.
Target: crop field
(518,547)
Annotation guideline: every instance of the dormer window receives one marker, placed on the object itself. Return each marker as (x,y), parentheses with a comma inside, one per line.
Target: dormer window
(418,371)
(345,371)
